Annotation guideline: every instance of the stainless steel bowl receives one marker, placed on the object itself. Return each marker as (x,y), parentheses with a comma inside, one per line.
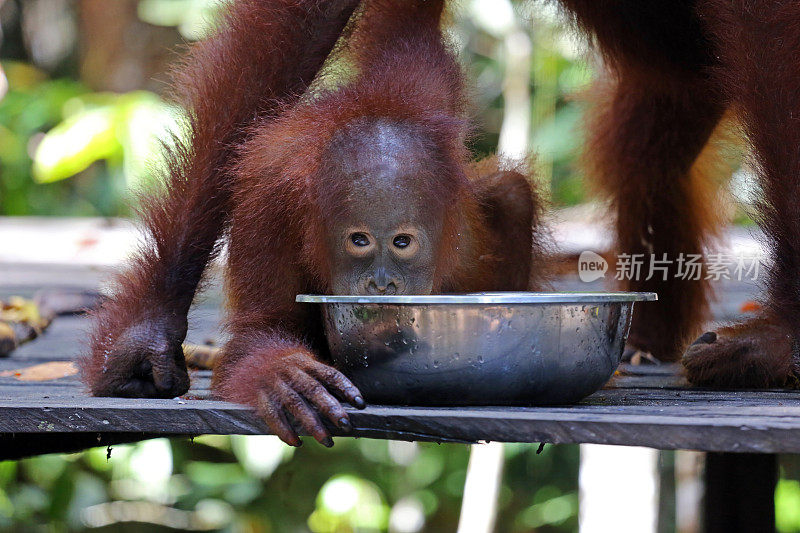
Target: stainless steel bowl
(515,348)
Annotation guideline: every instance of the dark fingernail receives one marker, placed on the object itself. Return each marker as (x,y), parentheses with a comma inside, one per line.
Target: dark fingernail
(327,442)
(359,402)
(706,338)
(344,425)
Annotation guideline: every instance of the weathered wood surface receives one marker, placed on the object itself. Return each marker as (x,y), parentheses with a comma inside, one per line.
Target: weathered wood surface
(665,418)
(640,407)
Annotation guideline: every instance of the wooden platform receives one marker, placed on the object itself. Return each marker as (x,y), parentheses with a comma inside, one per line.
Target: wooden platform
(641,406)
(647,406)
(633,411)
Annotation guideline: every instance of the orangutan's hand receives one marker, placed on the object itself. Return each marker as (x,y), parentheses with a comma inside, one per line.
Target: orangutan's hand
(300,386)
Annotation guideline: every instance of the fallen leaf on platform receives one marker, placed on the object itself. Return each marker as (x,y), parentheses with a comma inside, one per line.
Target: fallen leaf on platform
(200,356)
(18,309)
(43,372)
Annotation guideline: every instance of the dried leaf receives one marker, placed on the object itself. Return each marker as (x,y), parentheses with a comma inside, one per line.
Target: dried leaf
(22,311)
(200,356)
(43,372)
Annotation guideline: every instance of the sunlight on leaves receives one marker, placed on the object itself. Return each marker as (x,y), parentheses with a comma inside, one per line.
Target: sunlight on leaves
(349,503)
(260,455)
(75,144)
(194,18)
(125,128)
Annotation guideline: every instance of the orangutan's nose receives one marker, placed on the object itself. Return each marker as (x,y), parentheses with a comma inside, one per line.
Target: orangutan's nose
(375,289)
(381,283)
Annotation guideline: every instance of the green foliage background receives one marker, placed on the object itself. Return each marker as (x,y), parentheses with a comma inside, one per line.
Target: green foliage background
(258,484)
(66,150)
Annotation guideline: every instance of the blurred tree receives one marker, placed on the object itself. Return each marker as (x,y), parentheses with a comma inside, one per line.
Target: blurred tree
(118,51)
(127,45)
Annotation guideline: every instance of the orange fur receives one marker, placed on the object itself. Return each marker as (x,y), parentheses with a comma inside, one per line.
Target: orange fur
(284,195)
(260,163)
(674,69)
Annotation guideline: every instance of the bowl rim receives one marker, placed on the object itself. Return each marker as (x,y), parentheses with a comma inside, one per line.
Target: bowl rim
(523,298)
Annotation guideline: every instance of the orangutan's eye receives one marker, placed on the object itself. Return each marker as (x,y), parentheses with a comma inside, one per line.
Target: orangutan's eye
(359,239)
(401,241)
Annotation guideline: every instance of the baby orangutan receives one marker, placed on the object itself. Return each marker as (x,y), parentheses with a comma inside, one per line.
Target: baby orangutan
(362,189)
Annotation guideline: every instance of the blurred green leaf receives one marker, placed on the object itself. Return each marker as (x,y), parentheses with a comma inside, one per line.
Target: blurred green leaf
(76,143)
(103,126)
(193,18)
(787,506)
(348,503)
(559,137)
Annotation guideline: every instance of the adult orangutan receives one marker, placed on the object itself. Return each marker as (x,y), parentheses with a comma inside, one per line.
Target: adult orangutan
(360,189)
(673,69)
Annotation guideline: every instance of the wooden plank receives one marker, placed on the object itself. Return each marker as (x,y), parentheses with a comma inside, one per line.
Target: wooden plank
(645,406)
(664,428)
(641,406)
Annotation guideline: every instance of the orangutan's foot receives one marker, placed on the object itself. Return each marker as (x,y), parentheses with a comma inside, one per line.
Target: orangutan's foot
(756,353)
